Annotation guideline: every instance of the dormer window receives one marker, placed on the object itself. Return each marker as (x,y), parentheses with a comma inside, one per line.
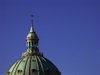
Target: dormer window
(48,70)
(34,70)
(19,71)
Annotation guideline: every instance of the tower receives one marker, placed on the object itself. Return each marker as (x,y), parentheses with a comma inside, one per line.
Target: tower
(32,61)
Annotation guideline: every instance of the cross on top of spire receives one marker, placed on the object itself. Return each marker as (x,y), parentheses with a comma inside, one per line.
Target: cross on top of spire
(32,19)
(32,29)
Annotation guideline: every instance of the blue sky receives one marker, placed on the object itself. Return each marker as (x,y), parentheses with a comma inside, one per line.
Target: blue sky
(69,33)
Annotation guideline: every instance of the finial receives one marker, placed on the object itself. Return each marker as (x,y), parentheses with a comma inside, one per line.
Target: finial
(32,19)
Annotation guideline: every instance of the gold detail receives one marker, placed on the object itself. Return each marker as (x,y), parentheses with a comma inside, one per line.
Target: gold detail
(29,48)
(32,54)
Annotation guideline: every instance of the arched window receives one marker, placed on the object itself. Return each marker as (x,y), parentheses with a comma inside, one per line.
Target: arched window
(32,43)
(19,71)
(35,42)
(29,44)
(34,72)
(48,70)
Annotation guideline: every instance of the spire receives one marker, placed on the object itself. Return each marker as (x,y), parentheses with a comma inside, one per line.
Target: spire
(32,29)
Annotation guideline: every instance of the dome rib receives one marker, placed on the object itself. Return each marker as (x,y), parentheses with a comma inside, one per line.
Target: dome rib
(45,65)
(37,64)
(25,66)
(53,67)
(33,65)
(50,63)
(50,66)
(17,65)
(14,64)
(41,65)
(28,66)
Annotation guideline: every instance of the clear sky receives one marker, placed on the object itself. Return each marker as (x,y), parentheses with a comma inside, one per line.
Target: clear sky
(69,33)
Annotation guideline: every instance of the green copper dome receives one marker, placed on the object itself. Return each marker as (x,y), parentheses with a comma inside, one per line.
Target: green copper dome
(32,61)
(33,65)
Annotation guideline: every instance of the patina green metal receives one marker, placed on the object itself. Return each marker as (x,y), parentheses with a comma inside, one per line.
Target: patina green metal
(33,65)
(32,61)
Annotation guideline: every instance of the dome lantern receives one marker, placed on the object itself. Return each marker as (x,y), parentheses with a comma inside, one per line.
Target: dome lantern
(32,41)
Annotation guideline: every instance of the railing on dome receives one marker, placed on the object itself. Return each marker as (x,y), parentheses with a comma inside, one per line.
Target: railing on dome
(32,54)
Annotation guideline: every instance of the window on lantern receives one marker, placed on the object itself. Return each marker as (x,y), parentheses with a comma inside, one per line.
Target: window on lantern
(29,44)
(32,44)
(35,42)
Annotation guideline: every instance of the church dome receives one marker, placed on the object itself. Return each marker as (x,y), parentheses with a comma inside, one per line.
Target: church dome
(33,65)
(32,61)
